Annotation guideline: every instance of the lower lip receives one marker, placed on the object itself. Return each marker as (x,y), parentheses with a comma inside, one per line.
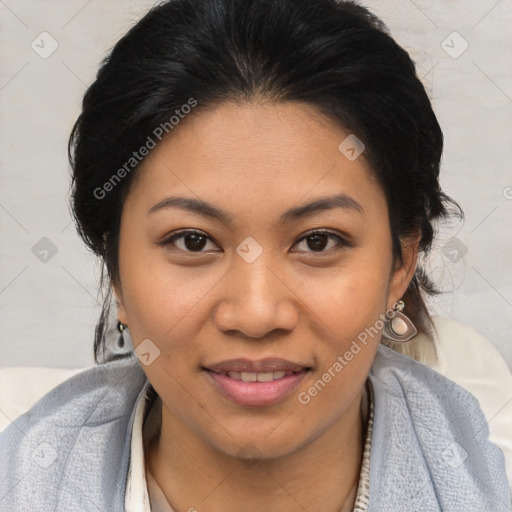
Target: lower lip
(256,394)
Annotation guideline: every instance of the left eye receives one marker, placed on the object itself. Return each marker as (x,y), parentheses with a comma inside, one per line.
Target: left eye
(319,241)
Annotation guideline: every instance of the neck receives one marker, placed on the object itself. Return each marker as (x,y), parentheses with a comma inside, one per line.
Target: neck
(321,476)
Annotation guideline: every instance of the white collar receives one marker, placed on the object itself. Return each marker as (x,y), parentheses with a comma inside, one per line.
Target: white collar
(137,497)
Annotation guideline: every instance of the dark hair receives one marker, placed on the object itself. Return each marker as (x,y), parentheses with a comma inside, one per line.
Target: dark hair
(336,56)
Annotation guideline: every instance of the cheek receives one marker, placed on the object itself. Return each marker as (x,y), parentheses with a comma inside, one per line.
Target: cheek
(348,335)
(160,301)
(351,297)
(353,323)
(157,296)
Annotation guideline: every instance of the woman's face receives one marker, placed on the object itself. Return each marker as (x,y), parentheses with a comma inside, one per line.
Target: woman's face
(253,293)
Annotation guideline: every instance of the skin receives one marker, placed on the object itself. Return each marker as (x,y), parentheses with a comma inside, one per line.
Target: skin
(255,161)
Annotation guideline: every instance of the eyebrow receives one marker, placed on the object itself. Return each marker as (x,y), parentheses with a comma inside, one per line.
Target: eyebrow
(297,212)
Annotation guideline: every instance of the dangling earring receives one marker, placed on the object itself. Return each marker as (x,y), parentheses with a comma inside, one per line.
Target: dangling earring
(398,328)
(121,341)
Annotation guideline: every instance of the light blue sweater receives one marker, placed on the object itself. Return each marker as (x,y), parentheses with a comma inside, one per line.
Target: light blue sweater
(429,452)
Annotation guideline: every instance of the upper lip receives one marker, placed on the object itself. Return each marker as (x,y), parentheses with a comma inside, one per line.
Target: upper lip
(259,366)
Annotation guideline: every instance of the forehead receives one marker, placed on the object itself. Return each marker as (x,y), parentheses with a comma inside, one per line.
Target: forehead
(250,152)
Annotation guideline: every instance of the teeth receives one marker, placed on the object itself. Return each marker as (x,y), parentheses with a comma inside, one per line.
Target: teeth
(248,377)
(257,377)
(265,377)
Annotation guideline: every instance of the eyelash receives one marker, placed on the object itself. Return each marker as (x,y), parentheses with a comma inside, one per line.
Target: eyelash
(182,234)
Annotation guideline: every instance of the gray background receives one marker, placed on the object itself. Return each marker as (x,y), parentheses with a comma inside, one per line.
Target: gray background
(49,300)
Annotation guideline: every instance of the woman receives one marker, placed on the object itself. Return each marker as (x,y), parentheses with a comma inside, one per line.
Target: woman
(260,179)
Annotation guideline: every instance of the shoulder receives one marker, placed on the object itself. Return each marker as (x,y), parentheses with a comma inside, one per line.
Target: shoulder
(430,448)
(71,401)
(22,386)
(72,442)
(472,361)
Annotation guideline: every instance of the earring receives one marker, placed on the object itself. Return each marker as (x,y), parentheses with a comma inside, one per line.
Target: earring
(121,341)
(398,328)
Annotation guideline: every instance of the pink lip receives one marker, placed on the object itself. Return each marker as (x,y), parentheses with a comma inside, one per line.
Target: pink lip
(256,394)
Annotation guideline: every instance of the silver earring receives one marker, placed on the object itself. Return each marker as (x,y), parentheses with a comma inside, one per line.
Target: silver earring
(121,342)
(398,327)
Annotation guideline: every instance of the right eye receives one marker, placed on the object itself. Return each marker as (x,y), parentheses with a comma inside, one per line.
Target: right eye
(188,241)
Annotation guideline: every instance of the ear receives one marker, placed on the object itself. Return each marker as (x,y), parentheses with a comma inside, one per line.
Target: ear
(404,270)
(121,311)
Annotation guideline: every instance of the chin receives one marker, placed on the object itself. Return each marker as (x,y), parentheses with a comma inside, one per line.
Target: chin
(259,444)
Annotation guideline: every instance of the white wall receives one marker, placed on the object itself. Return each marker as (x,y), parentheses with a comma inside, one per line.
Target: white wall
(48,309)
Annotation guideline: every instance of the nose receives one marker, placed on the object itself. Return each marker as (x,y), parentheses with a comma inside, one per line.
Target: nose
(256,300)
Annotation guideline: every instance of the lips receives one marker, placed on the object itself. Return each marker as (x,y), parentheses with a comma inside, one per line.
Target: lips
(256,383)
